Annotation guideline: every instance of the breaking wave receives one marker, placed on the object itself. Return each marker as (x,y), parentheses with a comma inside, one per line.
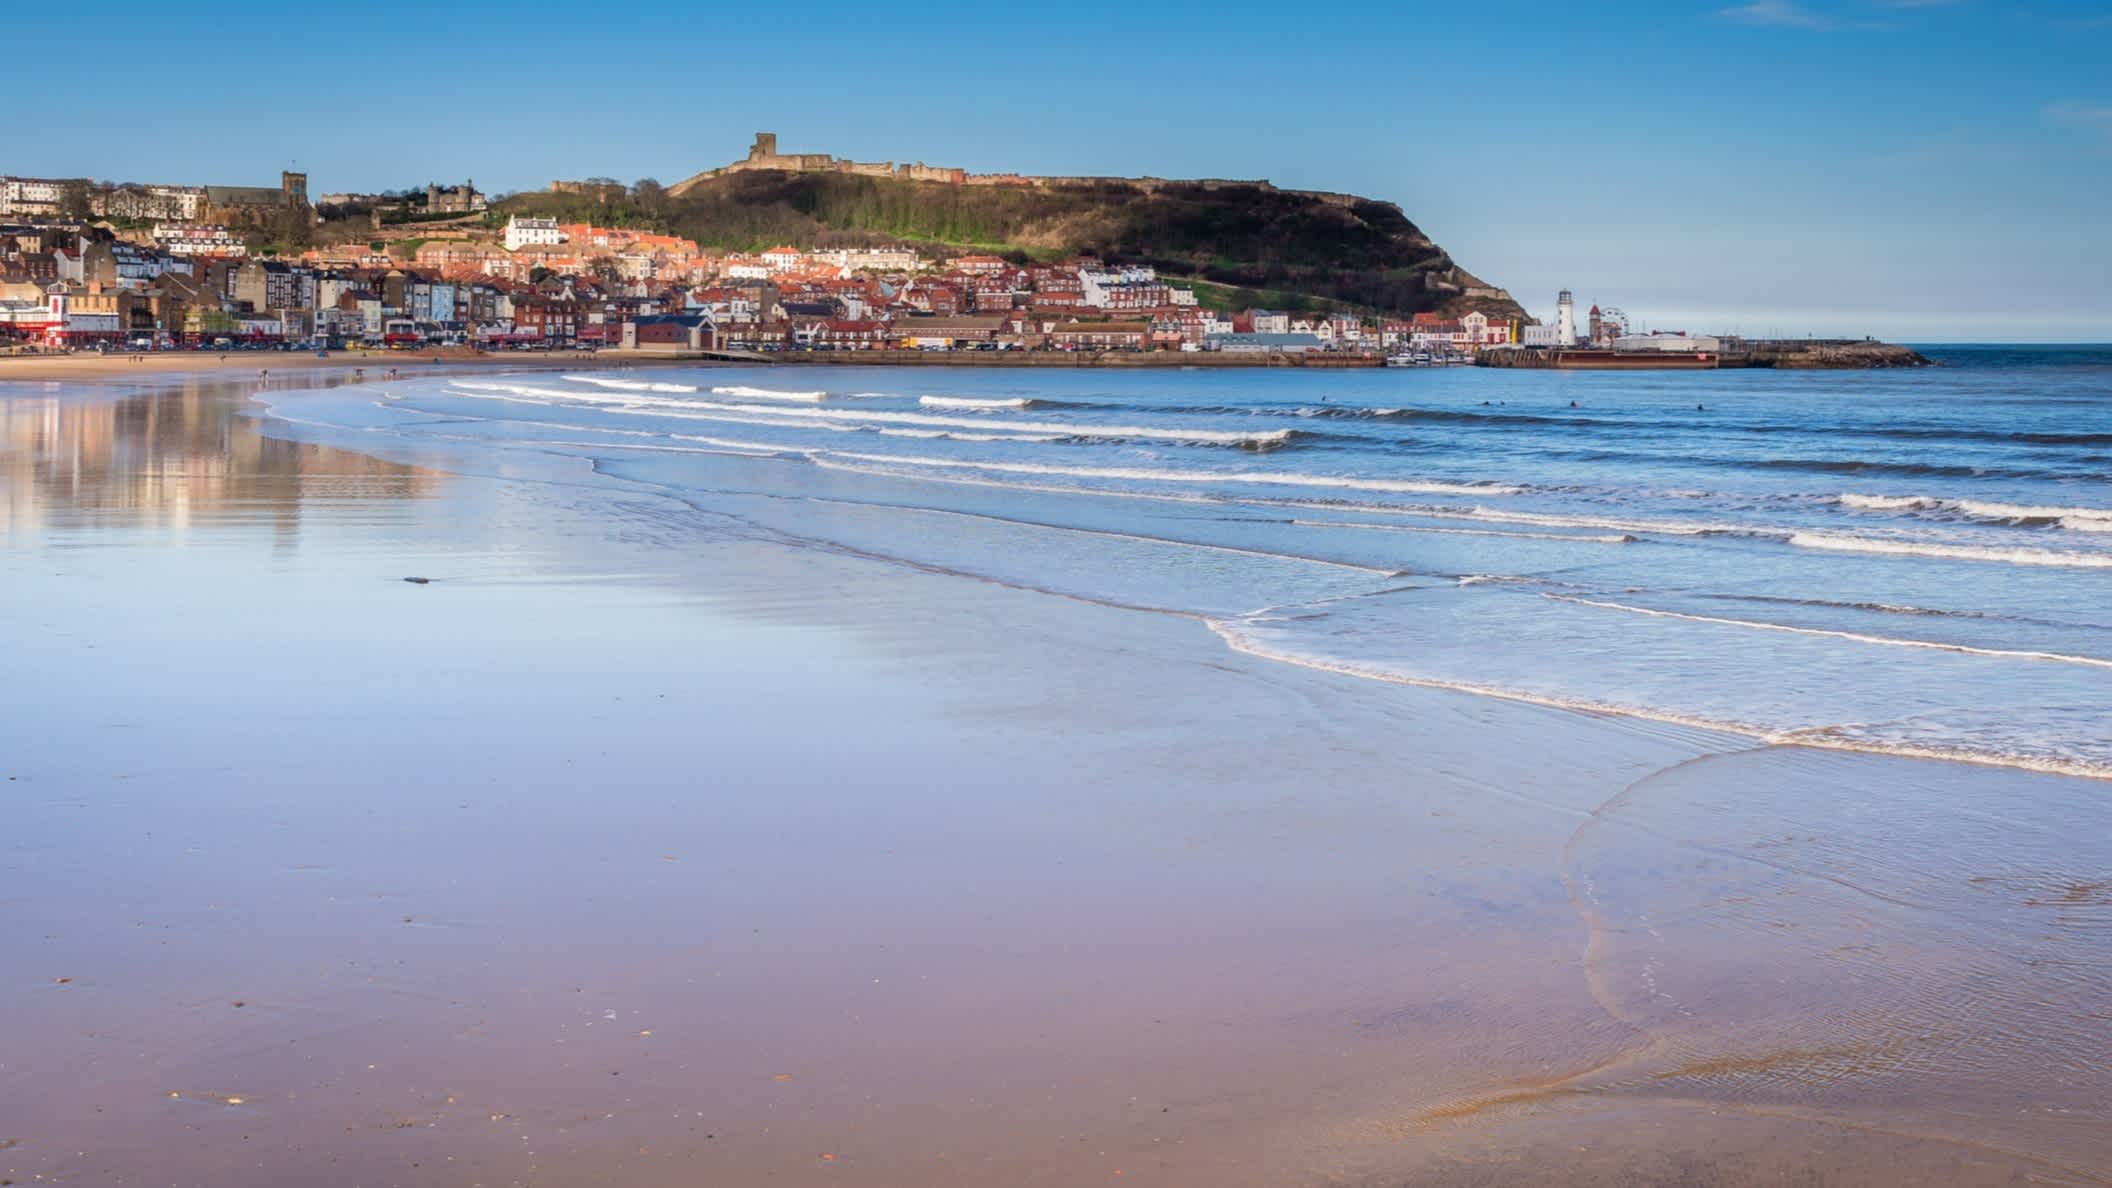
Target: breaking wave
(2080,519)
(1615,538)
(970,402)
(766,393)
(1830,633)
(1241,637)
(630,385)
(1148,474)
(1841,542)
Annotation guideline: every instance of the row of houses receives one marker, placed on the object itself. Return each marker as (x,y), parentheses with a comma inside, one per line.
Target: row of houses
(75,289)
(51,197)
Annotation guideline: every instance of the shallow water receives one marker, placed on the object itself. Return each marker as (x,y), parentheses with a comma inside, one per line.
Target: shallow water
(1915,562)
(709,815)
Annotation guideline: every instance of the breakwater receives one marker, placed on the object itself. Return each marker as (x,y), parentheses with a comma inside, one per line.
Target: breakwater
(1787,354)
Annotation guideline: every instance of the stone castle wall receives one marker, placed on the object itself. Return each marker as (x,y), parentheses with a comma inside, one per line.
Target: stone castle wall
(763,155)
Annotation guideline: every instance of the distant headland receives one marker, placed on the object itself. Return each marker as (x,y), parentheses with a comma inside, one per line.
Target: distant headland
(799,252)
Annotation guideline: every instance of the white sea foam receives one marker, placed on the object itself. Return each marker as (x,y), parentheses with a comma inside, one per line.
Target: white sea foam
(2080,519)
(1885,502)
(707,410)
(1924,548)
(1612,523)
(969,402)
(1240,639)
(1853,636)
(766,393)
(1985,510)
(1147,474)
(630,385)
(1620,538)
(527,392)
(991,434)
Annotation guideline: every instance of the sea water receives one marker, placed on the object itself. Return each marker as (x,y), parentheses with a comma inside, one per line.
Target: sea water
(1916,562)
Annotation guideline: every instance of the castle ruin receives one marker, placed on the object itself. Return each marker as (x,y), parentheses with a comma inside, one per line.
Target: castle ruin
(763,155)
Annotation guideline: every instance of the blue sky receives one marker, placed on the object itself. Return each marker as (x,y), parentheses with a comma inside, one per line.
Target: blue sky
(1916,169)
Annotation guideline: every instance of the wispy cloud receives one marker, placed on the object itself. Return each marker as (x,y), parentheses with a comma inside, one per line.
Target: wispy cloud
(1919,3)
(1785,14)
(2094,116)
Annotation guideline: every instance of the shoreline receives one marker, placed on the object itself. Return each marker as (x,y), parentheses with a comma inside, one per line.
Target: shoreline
(157,365)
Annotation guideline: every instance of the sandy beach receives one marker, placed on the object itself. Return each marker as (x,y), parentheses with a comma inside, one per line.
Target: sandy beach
(658,839)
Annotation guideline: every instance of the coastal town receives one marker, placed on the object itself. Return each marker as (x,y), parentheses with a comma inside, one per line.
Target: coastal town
(161,267)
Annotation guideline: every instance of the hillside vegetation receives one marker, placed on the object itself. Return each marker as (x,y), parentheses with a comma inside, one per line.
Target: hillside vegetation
(1248,238)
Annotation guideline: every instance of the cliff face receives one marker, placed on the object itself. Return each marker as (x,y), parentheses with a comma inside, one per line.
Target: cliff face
(1248,235)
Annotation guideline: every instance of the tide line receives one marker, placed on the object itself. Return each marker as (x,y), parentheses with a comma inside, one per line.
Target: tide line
(1853,636)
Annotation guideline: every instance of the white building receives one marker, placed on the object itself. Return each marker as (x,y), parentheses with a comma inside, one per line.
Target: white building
(1680,342)
(1103,287)
(179,203)
(178,239)
(1565,320)
(850,260)
(522,233)
(31,195)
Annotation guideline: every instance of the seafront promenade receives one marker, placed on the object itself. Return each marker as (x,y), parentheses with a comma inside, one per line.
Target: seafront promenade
(1344,359)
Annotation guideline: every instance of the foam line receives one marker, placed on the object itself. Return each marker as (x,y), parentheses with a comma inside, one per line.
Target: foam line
(1855,636)
(1922,548)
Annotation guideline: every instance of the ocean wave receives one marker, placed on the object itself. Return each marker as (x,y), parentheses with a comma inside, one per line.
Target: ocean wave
(525,392)
(2082,519)
(1346,412)
(1244,438)
(1618,538)
(1885,608)
(1852,636)
(630,385)
(970,402)
(1240,638)
(644,404)
(766,393)
(1148,474)
(1626,524)
(1885,502)
(1923,548)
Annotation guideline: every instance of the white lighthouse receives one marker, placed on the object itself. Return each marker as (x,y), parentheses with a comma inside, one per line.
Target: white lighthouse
(1565,320)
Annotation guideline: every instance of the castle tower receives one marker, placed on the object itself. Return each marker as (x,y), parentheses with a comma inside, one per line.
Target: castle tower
(293,188)
(1565,319)
(764,148)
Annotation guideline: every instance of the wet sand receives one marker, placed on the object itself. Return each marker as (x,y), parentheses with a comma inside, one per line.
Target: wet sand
(642,847)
